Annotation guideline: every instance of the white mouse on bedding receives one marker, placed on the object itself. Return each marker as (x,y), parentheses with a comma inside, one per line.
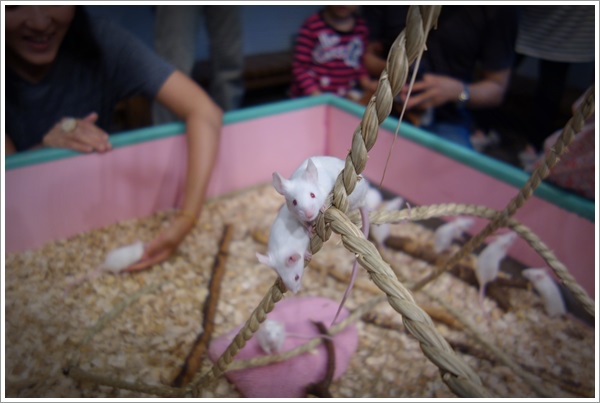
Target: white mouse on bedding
(446,233)
(548,289)
(115,261)
(488,261)
(382,231)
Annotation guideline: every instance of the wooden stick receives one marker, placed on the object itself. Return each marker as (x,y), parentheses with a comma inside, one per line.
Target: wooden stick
(192,362)
(436,314)
(540,389)
(565,384)
(79,374)
(321,389)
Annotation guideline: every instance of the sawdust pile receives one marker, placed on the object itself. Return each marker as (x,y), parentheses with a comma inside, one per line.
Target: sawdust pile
(160,315)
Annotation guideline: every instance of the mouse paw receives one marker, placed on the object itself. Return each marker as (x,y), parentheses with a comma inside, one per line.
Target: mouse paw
(307,256)
(310,229)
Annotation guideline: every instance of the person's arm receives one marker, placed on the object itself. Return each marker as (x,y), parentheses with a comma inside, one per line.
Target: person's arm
(365,81)
(80,135)
(367,84)
(9,146)
(72,133)
(489,91)
(435,90)
(375,53)
(203,120)
(302,63)
(374,59)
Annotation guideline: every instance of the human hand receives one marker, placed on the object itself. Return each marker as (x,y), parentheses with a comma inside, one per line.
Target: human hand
(369,85)
(83,136)
(165,244)
(432,91)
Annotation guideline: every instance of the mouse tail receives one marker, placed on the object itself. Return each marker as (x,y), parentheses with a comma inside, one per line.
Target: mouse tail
(81,278)
(347,292)
(481,294)
(481,298)
(364,213)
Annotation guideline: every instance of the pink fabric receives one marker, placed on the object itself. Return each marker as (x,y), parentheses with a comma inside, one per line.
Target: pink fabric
(576,169)
(288,379)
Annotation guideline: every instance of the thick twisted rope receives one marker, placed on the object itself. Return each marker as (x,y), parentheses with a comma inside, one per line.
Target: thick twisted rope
(573,126)
(457,375)
(455,372)
(404,51)
(378,108)
(312,343)
(274,295)
(531,380)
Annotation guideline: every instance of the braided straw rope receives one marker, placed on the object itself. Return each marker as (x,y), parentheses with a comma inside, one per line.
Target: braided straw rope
(461,379)
(274,295)
(458,376)
(455,372)
(314,342)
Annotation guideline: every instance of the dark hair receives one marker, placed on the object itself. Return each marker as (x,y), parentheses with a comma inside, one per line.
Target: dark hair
(79,39)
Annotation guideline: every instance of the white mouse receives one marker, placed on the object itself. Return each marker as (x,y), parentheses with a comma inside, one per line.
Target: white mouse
(548,289)
(271,334)
(448,232)
(488,261)
(120,258)
(373,198)
(287,249)
(381,232)
(307,189)
(115,261)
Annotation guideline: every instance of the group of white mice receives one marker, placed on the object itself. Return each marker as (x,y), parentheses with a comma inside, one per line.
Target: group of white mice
(306,193)
(488,263)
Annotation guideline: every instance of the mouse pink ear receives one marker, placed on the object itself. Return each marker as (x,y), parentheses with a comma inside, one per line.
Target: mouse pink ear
(279,183)
(311,174)
(293,259)
(264,259)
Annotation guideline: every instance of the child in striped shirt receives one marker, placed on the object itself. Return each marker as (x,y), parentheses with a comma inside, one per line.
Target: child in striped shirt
(329,54)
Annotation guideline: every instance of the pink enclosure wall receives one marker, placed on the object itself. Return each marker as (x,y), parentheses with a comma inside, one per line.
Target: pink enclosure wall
(251,150)
(61,198)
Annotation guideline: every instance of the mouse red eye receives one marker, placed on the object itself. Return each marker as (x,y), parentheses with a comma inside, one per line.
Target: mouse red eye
(312,195)
(294,202)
